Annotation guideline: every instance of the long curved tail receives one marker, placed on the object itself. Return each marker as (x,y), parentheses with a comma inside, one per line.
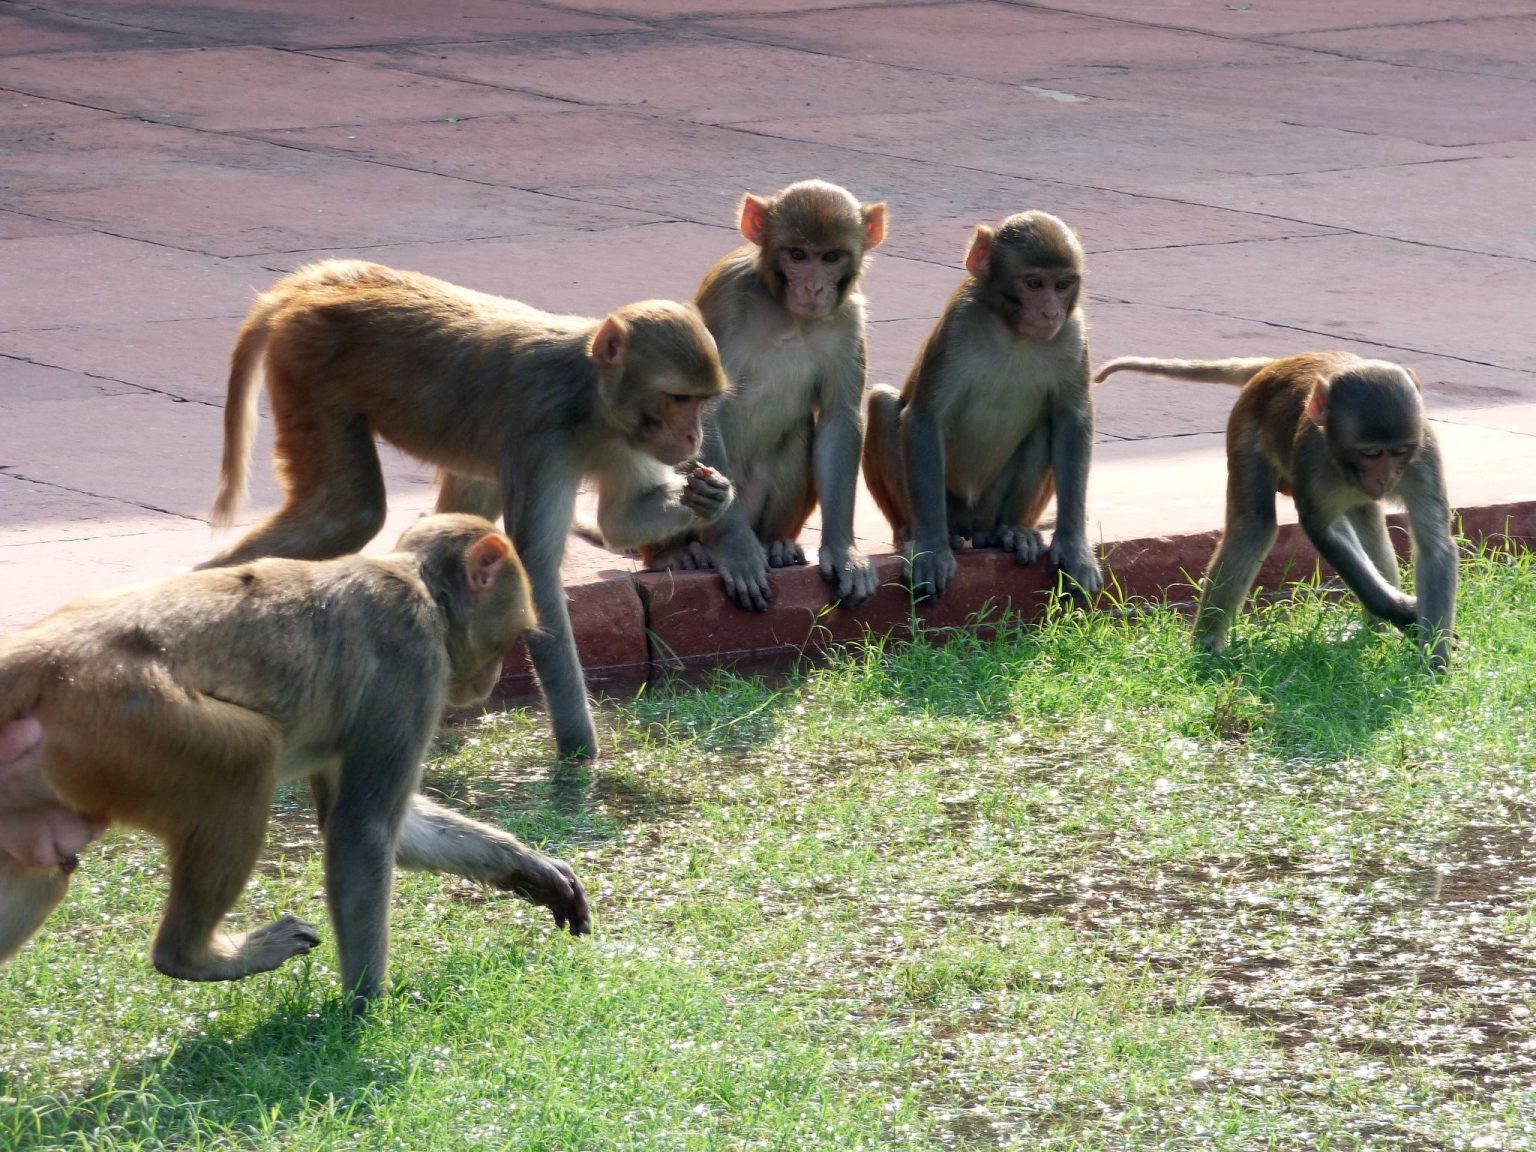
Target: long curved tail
(240,414)
(1237,371)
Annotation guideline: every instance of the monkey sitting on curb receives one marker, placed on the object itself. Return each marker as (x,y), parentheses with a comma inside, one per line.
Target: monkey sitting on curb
(178,706)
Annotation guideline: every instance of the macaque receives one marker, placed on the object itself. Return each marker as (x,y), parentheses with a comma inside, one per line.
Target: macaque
(789,321)
(1340,435)
(177,707)
(995,417)
(515,405)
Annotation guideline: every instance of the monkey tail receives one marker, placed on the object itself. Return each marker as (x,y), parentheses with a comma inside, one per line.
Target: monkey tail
(240,416)
(1238,371)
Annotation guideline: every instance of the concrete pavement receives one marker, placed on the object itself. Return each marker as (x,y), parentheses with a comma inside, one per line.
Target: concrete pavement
(1255,178)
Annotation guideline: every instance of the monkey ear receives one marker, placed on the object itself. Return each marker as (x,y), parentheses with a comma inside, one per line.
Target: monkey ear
(610,342)
(483,561)
(754,219)
(979,254)
(1317,403)
(874,223)
(1418,385)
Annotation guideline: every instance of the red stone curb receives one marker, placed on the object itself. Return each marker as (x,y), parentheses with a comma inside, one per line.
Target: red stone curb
(631,629)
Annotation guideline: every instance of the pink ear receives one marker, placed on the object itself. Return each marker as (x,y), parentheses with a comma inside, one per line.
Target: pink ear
(610,342)
(979,254)
(484,559)
(874,223)
(754,219)
(1414,376)
(1317,403)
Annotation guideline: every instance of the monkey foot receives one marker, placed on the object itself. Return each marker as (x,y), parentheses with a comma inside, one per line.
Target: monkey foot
(231,958)
(785,554)
(1026,544)
(690,557)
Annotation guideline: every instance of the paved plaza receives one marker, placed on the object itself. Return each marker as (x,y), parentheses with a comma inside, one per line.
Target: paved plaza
(1252,178)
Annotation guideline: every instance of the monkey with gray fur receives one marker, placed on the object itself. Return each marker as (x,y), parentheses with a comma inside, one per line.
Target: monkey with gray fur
(996,415)
(177,707)
(515,405)
(1341,435)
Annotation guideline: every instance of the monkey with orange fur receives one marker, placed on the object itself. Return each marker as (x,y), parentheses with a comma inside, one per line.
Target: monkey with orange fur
(995,416)
(1341,435)
(788,318)
(177,707)
(515,405)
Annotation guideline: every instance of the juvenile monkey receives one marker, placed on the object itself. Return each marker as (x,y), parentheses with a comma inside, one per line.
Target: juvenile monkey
(179,706)
(516,406)
(1341,435)
(995,416)
(787,315)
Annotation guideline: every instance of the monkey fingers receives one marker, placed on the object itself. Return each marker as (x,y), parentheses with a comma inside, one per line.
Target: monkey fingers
(852,576)
(1026,544)
(743,568)
(1077,563)
(930,570)
(550,883)
(707,494)
(785,554)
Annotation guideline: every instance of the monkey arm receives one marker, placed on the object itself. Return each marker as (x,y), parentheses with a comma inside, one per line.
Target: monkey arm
(931,558)
(1434,553)
(837,447)
(734,547)
(1337,543)
(1071,451)
(642,503)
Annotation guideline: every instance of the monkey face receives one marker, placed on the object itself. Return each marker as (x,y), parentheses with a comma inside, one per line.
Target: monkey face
(1376,469)
(672,428)
(1038,301)
(814,279)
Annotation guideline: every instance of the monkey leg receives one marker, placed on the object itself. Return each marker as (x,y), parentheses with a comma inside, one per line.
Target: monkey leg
(434,839)
(1011,508)
(1246,539)
(335,499)
(1370,526)
(459,493)
(884,473)
(27,895)
(210,864)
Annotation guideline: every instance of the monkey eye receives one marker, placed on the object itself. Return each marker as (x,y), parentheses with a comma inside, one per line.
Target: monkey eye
(831,257)
(1403,450)
(1065,285)
(1370,453)
(1034,283)
(797,255)
(679,398)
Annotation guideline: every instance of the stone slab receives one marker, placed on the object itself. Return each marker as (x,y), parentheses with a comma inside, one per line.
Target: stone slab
(303,24)
(1494,46)
(1252,18)
(189,88)
(1002,42)
(226,197)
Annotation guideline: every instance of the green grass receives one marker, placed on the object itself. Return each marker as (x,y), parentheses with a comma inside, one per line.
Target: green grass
(1068,887)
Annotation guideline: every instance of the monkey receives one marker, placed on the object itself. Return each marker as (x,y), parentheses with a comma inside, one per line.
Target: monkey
(514,405)
(995,416)
(1340,435)
(177,707)
(787,315)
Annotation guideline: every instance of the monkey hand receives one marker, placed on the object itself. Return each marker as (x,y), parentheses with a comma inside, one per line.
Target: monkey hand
(707,494)
(930,568)
(1077,561)
(850,573)
(551,884)
(743,568)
